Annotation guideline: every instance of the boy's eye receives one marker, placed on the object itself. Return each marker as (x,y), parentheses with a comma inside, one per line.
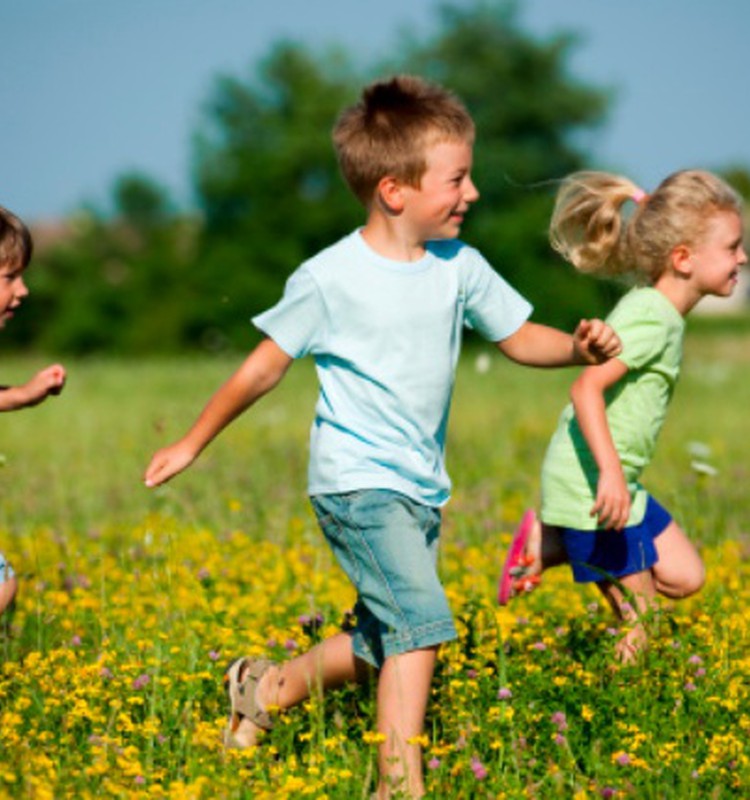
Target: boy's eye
(9,277)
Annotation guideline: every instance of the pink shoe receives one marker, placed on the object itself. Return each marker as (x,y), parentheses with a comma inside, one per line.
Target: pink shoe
(515,562)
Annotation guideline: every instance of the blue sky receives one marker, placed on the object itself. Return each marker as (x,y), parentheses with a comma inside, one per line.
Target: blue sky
(94,88)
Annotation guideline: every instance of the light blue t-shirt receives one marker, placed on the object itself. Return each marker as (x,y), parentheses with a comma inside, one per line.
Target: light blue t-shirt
(386,336)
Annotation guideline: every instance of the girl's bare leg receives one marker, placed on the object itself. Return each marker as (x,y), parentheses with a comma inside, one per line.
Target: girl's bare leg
(544,548)
(679,571)
(631,609)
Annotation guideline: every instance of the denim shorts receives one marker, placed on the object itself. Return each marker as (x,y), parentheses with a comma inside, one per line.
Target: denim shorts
(596,556)
(6,571)
(387,544)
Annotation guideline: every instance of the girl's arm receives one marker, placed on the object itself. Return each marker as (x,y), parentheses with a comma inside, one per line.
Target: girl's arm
(612,506)
(50,380)
(259,373)
(541,346)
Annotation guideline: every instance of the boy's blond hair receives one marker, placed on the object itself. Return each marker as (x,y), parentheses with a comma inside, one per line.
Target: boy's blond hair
(15,241)
(589,229)
(388,131)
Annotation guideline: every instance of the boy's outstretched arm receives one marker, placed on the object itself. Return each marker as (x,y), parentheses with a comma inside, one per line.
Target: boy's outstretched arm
(541,346)
(50,380)
(259,373)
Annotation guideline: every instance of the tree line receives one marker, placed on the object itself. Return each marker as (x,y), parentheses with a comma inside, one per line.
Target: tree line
(149,278)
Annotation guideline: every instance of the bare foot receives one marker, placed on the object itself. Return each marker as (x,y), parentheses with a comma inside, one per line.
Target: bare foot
(630,648)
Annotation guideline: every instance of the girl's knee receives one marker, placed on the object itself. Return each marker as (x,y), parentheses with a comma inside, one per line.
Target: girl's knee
(696,580)
(689,582)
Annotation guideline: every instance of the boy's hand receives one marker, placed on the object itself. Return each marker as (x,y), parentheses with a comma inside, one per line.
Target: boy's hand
(50,380)
(594,342)
(168,462)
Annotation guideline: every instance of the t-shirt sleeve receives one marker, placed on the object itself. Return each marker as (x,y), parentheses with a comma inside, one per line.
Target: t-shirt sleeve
(297,322)
(493,308)
(643,337)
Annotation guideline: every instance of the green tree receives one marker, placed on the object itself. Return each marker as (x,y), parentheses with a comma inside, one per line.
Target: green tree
(269,188)
(528,111)
(267,180)
(269,193)
(117,283)
(739,178)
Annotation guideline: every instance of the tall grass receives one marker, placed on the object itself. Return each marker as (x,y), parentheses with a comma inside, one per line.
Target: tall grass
(132,600)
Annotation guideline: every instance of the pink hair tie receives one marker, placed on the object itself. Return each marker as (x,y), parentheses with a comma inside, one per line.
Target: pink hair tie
(638,195)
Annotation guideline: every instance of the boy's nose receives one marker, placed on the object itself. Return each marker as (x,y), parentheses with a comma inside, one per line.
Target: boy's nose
(471,194)
(21,290)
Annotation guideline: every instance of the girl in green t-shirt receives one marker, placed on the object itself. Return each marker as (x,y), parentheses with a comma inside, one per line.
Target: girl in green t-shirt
(679,244)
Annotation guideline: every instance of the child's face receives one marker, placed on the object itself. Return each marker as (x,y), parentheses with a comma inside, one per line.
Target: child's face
(12,291)
(717,258)
(435,210)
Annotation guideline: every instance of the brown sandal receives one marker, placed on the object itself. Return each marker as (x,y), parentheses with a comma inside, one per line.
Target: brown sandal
(242,697)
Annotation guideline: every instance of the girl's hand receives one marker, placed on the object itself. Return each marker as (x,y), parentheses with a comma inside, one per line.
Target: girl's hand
(595,342)
(168,462)
(612,506)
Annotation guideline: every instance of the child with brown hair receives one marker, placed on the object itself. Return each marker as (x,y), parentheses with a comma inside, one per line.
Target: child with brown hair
(382,313)
(15,254)
(679,244)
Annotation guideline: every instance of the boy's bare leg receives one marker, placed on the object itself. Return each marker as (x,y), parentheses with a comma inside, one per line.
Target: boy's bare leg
(403,692)
(329,664)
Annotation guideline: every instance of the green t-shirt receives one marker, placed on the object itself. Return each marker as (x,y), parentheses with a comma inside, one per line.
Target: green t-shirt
(651,331)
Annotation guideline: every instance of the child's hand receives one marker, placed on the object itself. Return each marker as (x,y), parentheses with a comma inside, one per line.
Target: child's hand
(167,463)
(595,342)
(50,380)
(612,506)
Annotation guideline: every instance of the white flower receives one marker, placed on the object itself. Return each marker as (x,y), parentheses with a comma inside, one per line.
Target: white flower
(699,449)
(704,469)
(482,364)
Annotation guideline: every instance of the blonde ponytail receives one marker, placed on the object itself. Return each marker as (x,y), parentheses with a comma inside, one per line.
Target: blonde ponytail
(590,229)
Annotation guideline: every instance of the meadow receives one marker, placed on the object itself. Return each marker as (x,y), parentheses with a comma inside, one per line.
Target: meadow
(133,601)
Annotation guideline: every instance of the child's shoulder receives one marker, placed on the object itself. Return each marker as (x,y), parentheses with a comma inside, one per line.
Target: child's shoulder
(645,311)
(645,301)
(340,251)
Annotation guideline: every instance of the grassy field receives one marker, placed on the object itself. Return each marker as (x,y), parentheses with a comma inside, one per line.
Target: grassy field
(133,601)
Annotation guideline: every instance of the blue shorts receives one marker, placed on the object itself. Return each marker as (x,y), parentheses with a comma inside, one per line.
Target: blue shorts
(6,571)
(603,554)
(387,544)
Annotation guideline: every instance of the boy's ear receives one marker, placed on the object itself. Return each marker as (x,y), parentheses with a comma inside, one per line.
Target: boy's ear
(391,194)
(680,258)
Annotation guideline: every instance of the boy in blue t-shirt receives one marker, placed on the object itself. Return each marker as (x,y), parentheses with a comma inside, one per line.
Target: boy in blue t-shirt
(382,313)
(15,254)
